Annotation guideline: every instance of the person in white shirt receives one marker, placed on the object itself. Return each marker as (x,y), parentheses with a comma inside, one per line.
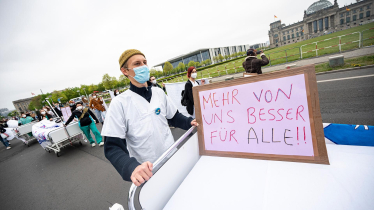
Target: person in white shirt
(136,127)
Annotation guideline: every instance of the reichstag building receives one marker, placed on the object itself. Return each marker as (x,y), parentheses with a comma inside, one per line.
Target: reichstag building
(322,17)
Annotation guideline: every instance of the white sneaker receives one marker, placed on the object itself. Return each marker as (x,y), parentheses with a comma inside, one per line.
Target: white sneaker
(93,144)
(8,147)
(101,144)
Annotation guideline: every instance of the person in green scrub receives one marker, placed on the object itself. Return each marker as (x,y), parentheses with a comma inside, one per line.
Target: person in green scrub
(24,120)
(86,123)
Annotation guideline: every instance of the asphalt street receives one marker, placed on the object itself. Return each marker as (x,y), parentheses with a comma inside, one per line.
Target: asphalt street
(82,178)
(347,97)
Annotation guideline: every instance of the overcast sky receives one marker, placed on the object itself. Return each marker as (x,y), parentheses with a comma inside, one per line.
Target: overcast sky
(52,45)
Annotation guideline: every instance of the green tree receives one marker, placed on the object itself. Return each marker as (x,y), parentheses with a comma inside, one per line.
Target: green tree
(220,57)
(91,89)
(123,80)
(100,87)
(197,64)
(31,106)
(181,67)
(60,94)
(71,93)
(12,113)
(83,88)
(168,67)
(191,63)
(114,83)
(153,72)
(37,102)
(107,81)
(208,61)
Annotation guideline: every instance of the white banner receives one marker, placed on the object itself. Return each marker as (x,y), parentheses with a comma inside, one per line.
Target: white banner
(174,91)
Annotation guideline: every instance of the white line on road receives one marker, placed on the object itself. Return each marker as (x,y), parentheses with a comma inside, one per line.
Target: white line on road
(329,80)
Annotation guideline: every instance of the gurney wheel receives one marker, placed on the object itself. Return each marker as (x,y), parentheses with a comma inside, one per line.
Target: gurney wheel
(80,143)
(58,154)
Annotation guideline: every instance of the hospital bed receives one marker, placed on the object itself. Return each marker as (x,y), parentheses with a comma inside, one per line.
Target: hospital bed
(64,136)
(24,130)
(182,179)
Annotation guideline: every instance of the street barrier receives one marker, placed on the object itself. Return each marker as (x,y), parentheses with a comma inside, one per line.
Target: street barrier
(368,38)
(339,44)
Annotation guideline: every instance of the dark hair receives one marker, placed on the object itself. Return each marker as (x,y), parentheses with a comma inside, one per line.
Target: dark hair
(251,52)
(115,92)
(79,102)
(189,71)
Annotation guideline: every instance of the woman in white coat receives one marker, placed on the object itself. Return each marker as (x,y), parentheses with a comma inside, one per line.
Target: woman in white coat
(136,126)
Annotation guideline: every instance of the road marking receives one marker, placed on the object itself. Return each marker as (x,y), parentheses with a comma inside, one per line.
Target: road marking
(345,78)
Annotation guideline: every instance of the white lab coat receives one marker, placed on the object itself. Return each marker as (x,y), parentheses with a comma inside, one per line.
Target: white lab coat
(132,117)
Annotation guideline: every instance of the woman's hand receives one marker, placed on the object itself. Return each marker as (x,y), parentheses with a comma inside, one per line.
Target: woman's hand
(194,123)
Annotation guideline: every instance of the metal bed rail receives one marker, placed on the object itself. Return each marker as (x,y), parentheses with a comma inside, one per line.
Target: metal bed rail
(134,190)
(65,136)
(24,130)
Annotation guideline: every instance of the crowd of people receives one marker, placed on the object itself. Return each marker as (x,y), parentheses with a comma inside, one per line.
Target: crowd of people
(81,112)
(137,125)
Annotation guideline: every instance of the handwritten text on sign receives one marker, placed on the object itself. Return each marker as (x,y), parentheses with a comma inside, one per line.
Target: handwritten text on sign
(267,117)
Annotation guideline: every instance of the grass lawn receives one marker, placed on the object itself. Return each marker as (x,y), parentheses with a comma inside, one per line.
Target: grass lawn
(293,49)
(348,63)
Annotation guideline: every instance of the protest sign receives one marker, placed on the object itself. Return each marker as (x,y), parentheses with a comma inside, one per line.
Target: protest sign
(66,113)
(273,116)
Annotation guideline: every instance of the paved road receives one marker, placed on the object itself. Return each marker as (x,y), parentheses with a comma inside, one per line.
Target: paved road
(347,101)
(82,178)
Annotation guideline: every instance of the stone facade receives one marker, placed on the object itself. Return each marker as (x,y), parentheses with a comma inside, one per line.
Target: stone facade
(22,105)
(322,17)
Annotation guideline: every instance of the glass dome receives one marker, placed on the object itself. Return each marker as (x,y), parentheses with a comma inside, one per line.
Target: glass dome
(318,5)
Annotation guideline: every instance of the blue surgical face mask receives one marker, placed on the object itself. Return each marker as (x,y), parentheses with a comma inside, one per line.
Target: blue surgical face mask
(141,74)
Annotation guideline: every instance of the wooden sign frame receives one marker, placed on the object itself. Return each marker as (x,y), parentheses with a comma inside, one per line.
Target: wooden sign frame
(318,138)
(249,74)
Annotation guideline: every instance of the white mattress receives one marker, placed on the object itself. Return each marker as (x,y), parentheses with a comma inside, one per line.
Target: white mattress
(234,183)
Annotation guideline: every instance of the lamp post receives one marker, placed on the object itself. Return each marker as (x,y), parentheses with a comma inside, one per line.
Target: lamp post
(46,99)
(84,89)
(51,98)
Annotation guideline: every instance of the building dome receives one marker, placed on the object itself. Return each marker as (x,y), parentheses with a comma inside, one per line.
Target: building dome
(318,5)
